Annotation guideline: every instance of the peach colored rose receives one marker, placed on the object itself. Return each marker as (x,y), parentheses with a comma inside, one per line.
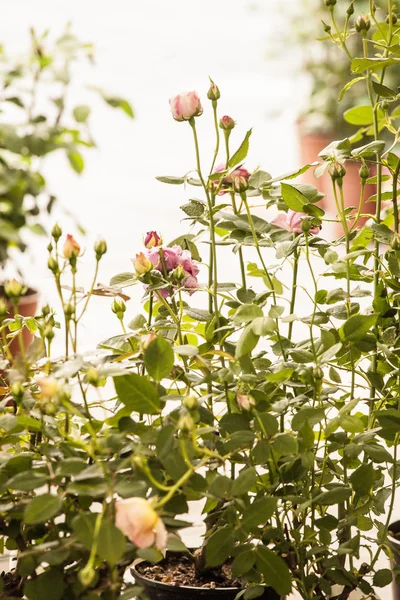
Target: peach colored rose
(71,247)
(137,519)
(186,106)
(142,264)
(48,387)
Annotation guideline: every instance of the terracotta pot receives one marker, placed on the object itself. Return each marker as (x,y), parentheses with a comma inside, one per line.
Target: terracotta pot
(27,307)
(395,543)
(156,590)
(311,145)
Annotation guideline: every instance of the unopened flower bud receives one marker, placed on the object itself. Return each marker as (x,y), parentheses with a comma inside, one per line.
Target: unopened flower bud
(69,310)
(48,387)
(395,243)
(213,92)
(327,27)
(71,248)
(14,289)
(56,232)
(147,339)
(318,373)
(362,23)
(152,239)
(48,332)
(384,105)
(305,225)
(46,310)
(118,307)
(227,123)
(142,264)
(139,462)
(350,10)
(100,248)
(52,263)
(191,403)
(186,423)
(364,172)
(178,274)
(337,171)
(92,376)
(87,575)
(393,17)
(3,308)
(17,390)
(240,184)
(50,247)
(245,402)
(330,2)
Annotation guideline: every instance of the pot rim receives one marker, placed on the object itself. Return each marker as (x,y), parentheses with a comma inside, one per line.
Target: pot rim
(161,584)
(31,295)
(393,540)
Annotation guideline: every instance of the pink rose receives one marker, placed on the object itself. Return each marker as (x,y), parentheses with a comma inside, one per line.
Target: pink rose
(244,401)
(291,221)
(137,519)
(227,123)
(181,269)
(152,239)
(227,185)
(185,106)
(172,257)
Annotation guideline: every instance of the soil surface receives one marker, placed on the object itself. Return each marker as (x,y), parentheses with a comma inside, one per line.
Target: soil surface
(180,571)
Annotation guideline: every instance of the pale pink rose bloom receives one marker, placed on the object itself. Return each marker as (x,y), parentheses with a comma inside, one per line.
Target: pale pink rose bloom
(190,283)
(137,519)
(186,105)
(227,181)
(291,221)
(172,257)
(188,263)
(245,402)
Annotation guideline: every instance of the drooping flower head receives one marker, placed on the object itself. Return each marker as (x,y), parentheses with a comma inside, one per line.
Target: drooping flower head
(138,520)
(185,106)
(231,181)
(291,221)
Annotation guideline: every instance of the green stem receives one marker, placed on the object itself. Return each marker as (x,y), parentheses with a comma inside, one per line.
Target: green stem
(240,251)
(217,136)
(294,290)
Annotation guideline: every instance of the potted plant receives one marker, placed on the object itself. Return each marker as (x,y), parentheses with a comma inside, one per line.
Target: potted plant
(30,130)
(273,402)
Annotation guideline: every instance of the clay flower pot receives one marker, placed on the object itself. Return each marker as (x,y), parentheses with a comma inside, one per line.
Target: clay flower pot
(395,543)
(27,307)
(311,145)
(157,590)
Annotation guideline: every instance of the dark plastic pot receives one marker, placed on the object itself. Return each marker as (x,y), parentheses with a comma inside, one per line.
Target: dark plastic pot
(395,528)
(156,590)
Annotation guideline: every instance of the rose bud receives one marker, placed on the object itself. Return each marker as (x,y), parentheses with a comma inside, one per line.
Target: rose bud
(152,239)
(71,248)
(14,289)
(240,184)
(48,387)
(56,232)
(137,519)
(147,339)
(364,172)
(118,307)
(330,2)
(142,264)
(100,248)
(245,402)
(213,92)
(227,123)
(53,265)
(185,106)
(362,23)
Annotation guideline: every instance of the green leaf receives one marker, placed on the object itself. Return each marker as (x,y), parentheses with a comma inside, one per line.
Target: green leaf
(76,161)
(383,577)
(116,102)
(41,508)
(244,483)
(348,85)
(293,198)
(247,312)
(111,543)
(275,571)
(83,527)
(247,342)
(138,394)
(48,585)
(362,479)
(243,562)
(159,358)
(285,444)
(259,512)
(81,113)
(198,314)
(356,327)
(241,153)
(359,115)
(263,326)
(219,546)
(171,180)
(335,496)
(309,415)
(359,65)
(383,90)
